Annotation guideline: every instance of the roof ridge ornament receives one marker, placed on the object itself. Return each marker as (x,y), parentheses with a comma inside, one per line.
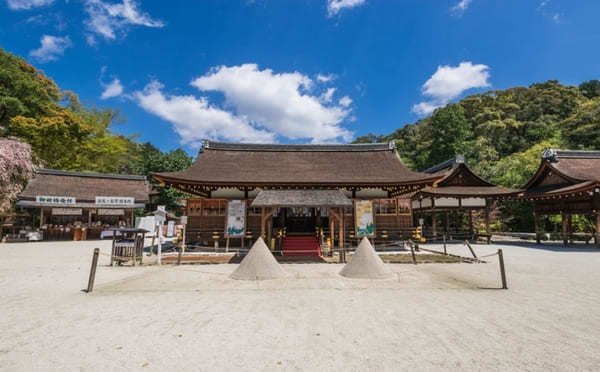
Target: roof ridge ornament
(550,155)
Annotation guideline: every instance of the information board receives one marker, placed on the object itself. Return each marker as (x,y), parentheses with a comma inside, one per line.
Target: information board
(236,218)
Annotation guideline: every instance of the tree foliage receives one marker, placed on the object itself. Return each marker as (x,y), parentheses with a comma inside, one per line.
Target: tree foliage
(65,134)
(502,133)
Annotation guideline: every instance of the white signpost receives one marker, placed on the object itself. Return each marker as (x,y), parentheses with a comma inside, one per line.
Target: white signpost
(161,216)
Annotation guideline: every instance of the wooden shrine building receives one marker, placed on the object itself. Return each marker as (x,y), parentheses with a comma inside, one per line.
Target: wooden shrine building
(456,192)
(566,183)
(94,201)
(320,183)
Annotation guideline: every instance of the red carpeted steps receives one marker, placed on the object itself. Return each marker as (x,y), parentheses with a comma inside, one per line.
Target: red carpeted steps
(301,246)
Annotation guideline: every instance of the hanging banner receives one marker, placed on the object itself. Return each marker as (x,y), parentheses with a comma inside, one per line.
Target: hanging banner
(236,218)
(364,222)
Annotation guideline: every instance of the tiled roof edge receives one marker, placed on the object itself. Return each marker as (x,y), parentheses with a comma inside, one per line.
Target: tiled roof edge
(228,146)
(56,172)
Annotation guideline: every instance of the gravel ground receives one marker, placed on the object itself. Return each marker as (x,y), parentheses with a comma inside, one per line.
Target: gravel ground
(194,317)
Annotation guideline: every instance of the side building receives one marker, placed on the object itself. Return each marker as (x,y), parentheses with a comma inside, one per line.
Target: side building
(289,184)
(60,200)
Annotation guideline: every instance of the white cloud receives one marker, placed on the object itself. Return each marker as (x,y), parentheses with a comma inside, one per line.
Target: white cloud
(109,20)
(345,101)
(448,82)
(327,95)
(112,89)
(556,18)
(325,78)
(461,6)
(280,102)
(51,48)
(195,118)
(335,6)
(27,4)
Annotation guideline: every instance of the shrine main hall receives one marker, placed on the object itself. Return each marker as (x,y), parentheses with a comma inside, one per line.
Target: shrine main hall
(335,193)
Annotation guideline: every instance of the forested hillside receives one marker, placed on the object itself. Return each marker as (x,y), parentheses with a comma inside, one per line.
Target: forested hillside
(502,133)
(65,134)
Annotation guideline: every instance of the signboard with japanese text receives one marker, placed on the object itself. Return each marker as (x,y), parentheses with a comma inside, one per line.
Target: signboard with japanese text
(115,200)
(66,200)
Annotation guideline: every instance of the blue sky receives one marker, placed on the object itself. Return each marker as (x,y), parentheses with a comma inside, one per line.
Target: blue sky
(295,71)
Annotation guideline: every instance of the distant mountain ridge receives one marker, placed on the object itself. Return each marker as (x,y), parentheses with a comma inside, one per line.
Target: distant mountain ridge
(502,132)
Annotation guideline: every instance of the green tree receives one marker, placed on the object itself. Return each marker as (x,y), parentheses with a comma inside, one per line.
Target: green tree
(151,160)
(450,131)
(590,89)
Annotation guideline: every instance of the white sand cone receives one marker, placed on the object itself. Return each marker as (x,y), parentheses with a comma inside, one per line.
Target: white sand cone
(366,264)
(259,264)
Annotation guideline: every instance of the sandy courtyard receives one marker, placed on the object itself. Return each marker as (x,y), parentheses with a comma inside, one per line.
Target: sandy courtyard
(193,317)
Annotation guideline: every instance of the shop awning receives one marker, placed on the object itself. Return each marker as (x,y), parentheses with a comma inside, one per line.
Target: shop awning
(301,198)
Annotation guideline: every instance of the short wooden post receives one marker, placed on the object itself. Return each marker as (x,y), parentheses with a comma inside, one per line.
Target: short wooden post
(92,277)
(502,271)
(412,251)
(179,256)
(470,248)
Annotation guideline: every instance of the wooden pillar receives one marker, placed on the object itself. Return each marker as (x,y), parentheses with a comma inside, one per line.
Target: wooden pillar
(446,222)
(569,227)
(262,222)
(132,219)
(433,224)
(331,229)
(565,233)
(89,217)
(341,238)
(598,230)
(536,219)
(471,222)
(41,216)
(269,231)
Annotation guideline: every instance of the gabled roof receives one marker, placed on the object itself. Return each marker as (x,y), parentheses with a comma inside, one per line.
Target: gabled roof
(84,186)
(564,172)
(236,165)
(458,180)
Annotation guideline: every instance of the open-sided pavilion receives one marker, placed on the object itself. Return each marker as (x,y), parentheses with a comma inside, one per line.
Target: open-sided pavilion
(566,183)
(457,191)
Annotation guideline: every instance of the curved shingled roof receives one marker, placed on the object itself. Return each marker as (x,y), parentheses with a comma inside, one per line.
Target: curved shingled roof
(235,164)
(85,186)
(564,172)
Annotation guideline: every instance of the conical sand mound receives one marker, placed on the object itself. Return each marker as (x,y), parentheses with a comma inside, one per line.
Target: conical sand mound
(366,264)
(258,264)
